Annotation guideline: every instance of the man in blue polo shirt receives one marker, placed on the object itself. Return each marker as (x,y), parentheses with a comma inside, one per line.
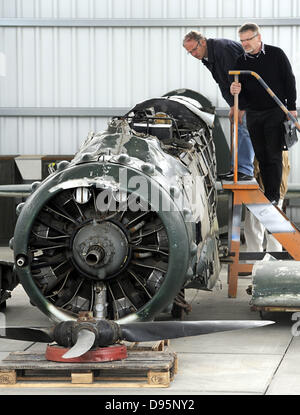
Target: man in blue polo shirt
(219,56)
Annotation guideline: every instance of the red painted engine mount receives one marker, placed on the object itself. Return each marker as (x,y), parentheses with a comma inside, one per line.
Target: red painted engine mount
(103,354)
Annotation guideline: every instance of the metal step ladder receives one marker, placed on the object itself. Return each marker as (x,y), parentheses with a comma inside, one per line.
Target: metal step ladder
(249,194)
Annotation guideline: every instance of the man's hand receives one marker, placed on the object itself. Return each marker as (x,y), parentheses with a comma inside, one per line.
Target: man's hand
(240,115)
(235,88)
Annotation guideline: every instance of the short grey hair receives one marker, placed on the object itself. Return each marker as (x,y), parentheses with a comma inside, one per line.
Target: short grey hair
(249,26)
(193,35)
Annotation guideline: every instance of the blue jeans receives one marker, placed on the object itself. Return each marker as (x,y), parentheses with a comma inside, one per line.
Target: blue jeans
(245,149)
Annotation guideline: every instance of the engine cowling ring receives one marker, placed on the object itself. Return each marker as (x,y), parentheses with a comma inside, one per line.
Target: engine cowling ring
(173,220)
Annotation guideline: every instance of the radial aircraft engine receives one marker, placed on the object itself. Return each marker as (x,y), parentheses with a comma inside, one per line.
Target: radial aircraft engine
(129,223)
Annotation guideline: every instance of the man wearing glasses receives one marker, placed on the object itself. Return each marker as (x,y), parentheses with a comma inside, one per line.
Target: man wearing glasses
(219,56)
(264,116)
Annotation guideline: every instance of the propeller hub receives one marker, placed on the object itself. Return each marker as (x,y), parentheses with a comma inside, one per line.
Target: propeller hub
(95,255)
(106,332)
(100,250)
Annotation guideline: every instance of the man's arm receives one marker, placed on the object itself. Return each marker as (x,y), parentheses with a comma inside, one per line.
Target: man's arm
(289,81)
(225,55)
(228,59)
(225,91)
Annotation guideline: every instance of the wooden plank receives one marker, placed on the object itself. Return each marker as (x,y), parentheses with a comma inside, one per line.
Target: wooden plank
(141,347)
(67,378)
(94,385)
(40,357)
(159,346)
(130,365)
(159,378)
(87,377)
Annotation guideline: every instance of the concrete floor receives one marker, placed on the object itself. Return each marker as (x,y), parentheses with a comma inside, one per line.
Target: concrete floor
(261,361)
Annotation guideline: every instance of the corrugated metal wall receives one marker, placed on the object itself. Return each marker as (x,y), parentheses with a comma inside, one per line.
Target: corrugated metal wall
(134,52)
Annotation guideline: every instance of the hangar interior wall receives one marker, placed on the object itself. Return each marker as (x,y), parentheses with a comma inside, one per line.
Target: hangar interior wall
(132,53)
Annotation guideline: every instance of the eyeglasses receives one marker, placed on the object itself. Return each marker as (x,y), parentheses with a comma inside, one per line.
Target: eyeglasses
(249,38)
(193,50)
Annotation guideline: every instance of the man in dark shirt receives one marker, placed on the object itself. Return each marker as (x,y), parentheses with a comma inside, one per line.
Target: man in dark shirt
(264,116)
(219,56)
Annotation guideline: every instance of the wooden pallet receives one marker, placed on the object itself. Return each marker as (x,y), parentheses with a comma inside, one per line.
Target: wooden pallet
(142,369)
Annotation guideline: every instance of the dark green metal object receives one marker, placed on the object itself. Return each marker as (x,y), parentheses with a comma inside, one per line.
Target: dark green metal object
(127,224)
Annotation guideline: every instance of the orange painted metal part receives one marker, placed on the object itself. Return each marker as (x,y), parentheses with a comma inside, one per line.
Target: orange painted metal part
(290,242)
(235,268)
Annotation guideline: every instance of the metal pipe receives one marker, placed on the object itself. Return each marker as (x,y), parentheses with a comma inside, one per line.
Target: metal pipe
(148,22)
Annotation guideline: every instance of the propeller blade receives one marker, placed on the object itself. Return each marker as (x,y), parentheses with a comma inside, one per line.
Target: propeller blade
(38,334)
(160,330)
(85,341)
